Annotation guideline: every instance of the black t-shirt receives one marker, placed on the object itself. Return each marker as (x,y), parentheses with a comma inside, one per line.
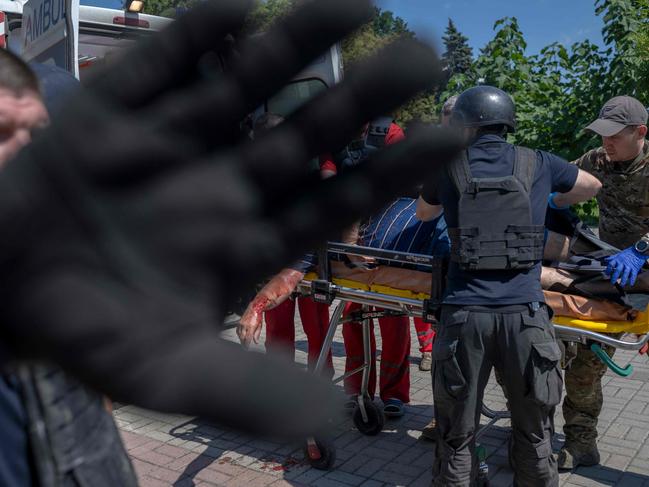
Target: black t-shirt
(491,156)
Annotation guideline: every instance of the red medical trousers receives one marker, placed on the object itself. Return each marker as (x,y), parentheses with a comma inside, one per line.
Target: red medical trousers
(425,335)
(394,377)
(280,329)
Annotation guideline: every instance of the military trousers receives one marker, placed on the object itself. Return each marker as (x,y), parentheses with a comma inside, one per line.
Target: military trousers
(583,402)
(520,343)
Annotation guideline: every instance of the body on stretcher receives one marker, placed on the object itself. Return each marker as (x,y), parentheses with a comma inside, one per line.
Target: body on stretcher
(392,287)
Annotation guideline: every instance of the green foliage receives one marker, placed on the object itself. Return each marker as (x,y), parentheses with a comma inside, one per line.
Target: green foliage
(561,89)
(363,43)
(588,212)
(385,24)
(458,55)
(268,11)
(166,8)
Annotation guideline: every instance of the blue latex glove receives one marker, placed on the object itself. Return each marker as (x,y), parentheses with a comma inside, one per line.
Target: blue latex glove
(625,266)
(552,205)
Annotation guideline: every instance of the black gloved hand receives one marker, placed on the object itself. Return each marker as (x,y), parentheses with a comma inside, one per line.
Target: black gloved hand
(136,218)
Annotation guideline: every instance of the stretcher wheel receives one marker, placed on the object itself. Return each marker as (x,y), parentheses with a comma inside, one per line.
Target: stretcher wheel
(320,453)
(375,419)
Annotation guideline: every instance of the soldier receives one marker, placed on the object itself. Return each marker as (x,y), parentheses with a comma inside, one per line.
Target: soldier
(621,165)
(493,313)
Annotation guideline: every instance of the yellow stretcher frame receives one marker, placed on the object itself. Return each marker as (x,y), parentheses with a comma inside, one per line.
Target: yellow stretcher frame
(640,325)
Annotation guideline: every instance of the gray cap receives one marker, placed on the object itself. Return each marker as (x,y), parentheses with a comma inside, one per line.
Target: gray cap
(617,114)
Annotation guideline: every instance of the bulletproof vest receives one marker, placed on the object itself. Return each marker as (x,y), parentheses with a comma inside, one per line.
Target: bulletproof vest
(360,149)
(495,230)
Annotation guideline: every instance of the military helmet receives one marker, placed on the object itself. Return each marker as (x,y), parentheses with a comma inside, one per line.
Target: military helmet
(484,105)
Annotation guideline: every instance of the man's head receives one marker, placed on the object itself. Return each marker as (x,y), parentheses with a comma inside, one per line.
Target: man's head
(21,106)
(622,124)
(447,110)
(484,109)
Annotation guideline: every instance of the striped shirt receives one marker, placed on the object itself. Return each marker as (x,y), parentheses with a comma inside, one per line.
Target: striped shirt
(397,228)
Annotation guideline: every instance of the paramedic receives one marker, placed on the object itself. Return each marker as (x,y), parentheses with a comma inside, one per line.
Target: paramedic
(493,315)
(621,165)
(394,375)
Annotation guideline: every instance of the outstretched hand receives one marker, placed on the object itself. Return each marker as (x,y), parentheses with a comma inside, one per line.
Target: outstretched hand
(139,215)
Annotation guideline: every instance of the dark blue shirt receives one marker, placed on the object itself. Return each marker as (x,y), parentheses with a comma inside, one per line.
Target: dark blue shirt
(491,156)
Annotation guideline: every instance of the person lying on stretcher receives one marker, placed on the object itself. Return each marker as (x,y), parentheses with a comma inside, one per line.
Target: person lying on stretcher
(573,272)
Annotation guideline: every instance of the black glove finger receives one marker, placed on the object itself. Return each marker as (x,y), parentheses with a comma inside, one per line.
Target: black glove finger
(320,211)
(364,189)
(188,226)
(266,64)
(278,162)
(115,151)
(169,59)
(159,354)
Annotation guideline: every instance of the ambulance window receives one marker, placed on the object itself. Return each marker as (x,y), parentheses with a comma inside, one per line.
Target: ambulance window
(294,95)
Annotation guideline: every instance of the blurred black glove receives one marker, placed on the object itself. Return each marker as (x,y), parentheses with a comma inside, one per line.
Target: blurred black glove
(131,224)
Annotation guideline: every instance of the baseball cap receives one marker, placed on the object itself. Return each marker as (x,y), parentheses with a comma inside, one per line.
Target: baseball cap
(618,113)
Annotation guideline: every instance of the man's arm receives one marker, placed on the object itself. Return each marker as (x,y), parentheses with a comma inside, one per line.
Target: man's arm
(586,187)
(427,212)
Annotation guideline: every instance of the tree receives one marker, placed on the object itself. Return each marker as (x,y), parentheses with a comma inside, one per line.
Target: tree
(166,8)
(458,56)
(625,33)
(266,12)
(385,24)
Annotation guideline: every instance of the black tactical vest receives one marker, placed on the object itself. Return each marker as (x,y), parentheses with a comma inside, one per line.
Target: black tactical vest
(495,230)
(360,149)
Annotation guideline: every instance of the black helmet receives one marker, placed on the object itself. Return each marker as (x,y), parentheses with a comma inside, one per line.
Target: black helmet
(481,106)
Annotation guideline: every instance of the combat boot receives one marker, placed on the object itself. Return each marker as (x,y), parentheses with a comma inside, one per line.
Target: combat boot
(573,455)
(430,430)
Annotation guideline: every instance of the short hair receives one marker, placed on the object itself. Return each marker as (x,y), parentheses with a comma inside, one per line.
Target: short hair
(266,122)
(16,75)
(449,104)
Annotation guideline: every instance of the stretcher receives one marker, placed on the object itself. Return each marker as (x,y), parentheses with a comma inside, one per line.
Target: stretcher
(332,282)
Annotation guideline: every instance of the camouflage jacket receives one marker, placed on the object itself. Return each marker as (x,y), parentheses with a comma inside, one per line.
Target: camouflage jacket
(624,197)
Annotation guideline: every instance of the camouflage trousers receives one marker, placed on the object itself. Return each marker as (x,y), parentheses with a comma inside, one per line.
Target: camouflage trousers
(583,402)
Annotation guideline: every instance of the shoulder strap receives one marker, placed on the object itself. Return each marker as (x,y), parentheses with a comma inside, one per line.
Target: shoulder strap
(525,166)
(460,173)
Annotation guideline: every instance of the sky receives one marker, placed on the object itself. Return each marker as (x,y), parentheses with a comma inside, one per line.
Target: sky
(542,21)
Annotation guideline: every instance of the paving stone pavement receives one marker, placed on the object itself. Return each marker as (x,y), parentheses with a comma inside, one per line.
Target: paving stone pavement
(181,451)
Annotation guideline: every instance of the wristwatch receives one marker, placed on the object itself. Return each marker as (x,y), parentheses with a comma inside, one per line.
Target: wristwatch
(642,246)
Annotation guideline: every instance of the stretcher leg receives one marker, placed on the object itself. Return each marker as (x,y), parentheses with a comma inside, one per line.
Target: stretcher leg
(368,417)
(320,452)
(331,331)
(367,364)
